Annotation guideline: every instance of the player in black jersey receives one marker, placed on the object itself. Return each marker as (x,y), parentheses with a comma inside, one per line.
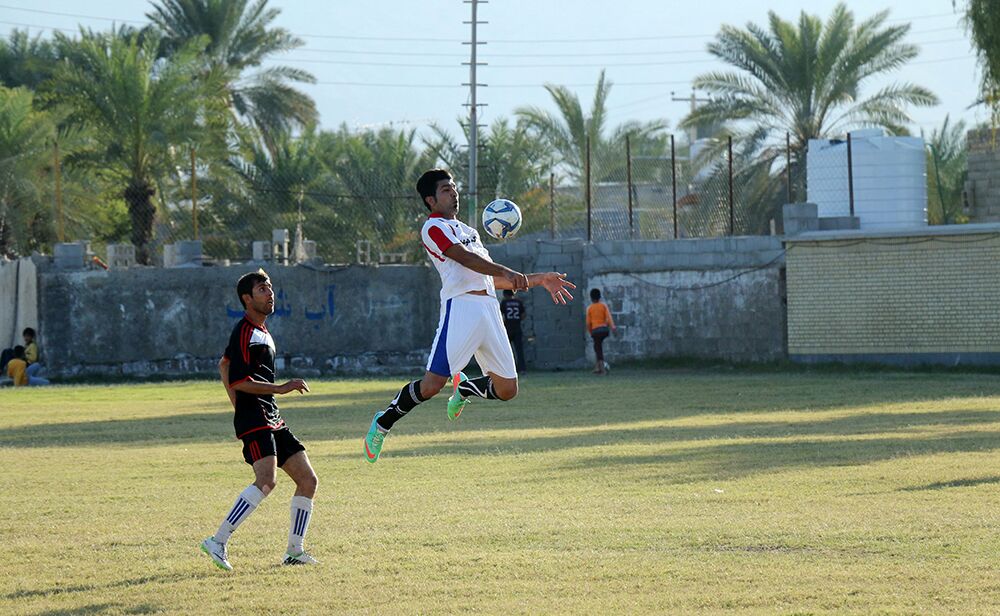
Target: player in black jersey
(247,370)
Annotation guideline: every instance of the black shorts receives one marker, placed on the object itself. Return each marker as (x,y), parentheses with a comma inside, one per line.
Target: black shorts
(262,443)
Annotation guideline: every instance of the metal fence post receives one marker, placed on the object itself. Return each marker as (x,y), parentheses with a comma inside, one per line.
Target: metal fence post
(850,175)
(788,168)
(552,206)
(587,180)
(673,180)
(628,173)
(194,196)
(57,172)
(732,218)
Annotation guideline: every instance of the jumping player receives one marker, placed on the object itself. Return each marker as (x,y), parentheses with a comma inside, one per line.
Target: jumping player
(247,370)
(470,323)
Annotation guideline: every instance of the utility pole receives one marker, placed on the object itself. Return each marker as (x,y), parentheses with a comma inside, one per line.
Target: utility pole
(692,132)
(473,106)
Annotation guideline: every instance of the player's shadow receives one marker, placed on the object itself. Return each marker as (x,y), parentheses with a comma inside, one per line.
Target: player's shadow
(102,608)
(761,447)
(955,483)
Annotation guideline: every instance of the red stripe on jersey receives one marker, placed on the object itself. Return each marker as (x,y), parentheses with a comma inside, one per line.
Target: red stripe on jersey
(244,379)
(433,254)
(442,242)
(245,341)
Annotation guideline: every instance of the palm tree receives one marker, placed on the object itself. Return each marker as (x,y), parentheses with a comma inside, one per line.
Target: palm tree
(378,169)
(983,22)
(240,39)
(946,173)
(25,147)
(512,159)
(807,80)
(567,133)
(804,80)
(138,107)
(26,61)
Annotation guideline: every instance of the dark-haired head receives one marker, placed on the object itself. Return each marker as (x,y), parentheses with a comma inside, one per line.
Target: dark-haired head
(428,183)
(247,282)
(595,295)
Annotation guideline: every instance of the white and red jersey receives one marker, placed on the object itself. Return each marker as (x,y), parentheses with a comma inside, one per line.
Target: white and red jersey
(441,233)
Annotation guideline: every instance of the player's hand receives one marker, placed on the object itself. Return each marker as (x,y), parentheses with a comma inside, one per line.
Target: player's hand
(518,281)
(294,385)
(558,287)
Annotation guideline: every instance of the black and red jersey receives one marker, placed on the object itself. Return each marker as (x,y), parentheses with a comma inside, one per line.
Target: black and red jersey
(251,356)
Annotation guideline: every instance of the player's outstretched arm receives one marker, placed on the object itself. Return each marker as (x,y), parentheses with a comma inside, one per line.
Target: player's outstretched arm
(465,257)
(554,282)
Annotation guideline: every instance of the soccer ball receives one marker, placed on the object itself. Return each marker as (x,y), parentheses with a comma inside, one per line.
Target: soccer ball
(501,219)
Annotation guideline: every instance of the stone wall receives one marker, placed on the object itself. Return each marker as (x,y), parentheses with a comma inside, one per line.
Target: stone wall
(907,297)
(714,298)
(719,298)
(152,320)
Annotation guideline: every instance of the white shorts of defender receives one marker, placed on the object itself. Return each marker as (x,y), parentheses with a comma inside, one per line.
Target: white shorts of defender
(471,325)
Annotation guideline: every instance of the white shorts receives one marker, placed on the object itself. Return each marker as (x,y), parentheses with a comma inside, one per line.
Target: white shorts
(471,325)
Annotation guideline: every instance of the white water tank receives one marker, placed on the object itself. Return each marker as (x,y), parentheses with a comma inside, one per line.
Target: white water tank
(890,179)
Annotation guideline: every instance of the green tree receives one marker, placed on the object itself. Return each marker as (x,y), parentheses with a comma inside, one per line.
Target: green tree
(566,133)
(26,61)
(514,163)
(377,170)
(806,80)
(946,173)
(26,137)
(982,19)
(138,109)
(240,38)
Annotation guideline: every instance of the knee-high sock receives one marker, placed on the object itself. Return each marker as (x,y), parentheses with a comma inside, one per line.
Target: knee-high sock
(407,398)
(481,388)
(245,503)
(301,514)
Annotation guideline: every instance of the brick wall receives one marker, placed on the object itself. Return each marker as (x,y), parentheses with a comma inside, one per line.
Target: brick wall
(926,296)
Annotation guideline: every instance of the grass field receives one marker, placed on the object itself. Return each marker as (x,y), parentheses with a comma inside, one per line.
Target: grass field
(712,491)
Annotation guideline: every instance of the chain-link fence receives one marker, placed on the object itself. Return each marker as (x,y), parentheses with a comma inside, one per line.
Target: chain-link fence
(299,205)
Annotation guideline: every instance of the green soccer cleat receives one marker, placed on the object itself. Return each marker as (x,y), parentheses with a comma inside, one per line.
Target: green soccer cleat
(373,440)
(456,403)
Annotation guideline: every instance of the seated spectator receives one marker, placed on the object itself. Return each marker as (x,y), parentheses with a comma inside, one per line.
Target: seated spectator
(31,353)
(17,369)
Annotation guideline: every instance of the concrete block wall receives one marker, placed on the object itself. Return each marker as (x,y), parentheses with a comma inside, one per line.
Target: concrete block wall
(903,298)
(982,186)
(653,289)
(713,298)
(147,321)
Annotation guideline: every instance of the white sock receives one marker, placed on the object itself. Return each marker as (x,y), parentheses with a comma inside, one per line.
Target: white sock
(301,512)
(242,508)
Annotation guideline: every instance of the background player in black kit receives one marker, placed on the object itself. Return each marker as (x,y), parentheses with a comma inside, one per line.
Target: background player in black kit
(512,310)
(247,370)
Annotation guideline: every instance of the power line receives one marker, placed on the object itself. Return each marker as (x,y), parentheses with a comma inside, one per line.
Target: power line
(425,40)
(19,8)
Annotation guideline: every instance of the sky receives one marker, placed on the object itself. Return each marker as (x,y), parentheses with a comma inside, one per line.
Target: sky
(399,62)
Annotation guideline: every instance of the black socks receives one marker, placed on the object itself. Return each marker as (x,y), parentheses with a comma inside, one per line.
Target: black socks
(481,388)
(406,399)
